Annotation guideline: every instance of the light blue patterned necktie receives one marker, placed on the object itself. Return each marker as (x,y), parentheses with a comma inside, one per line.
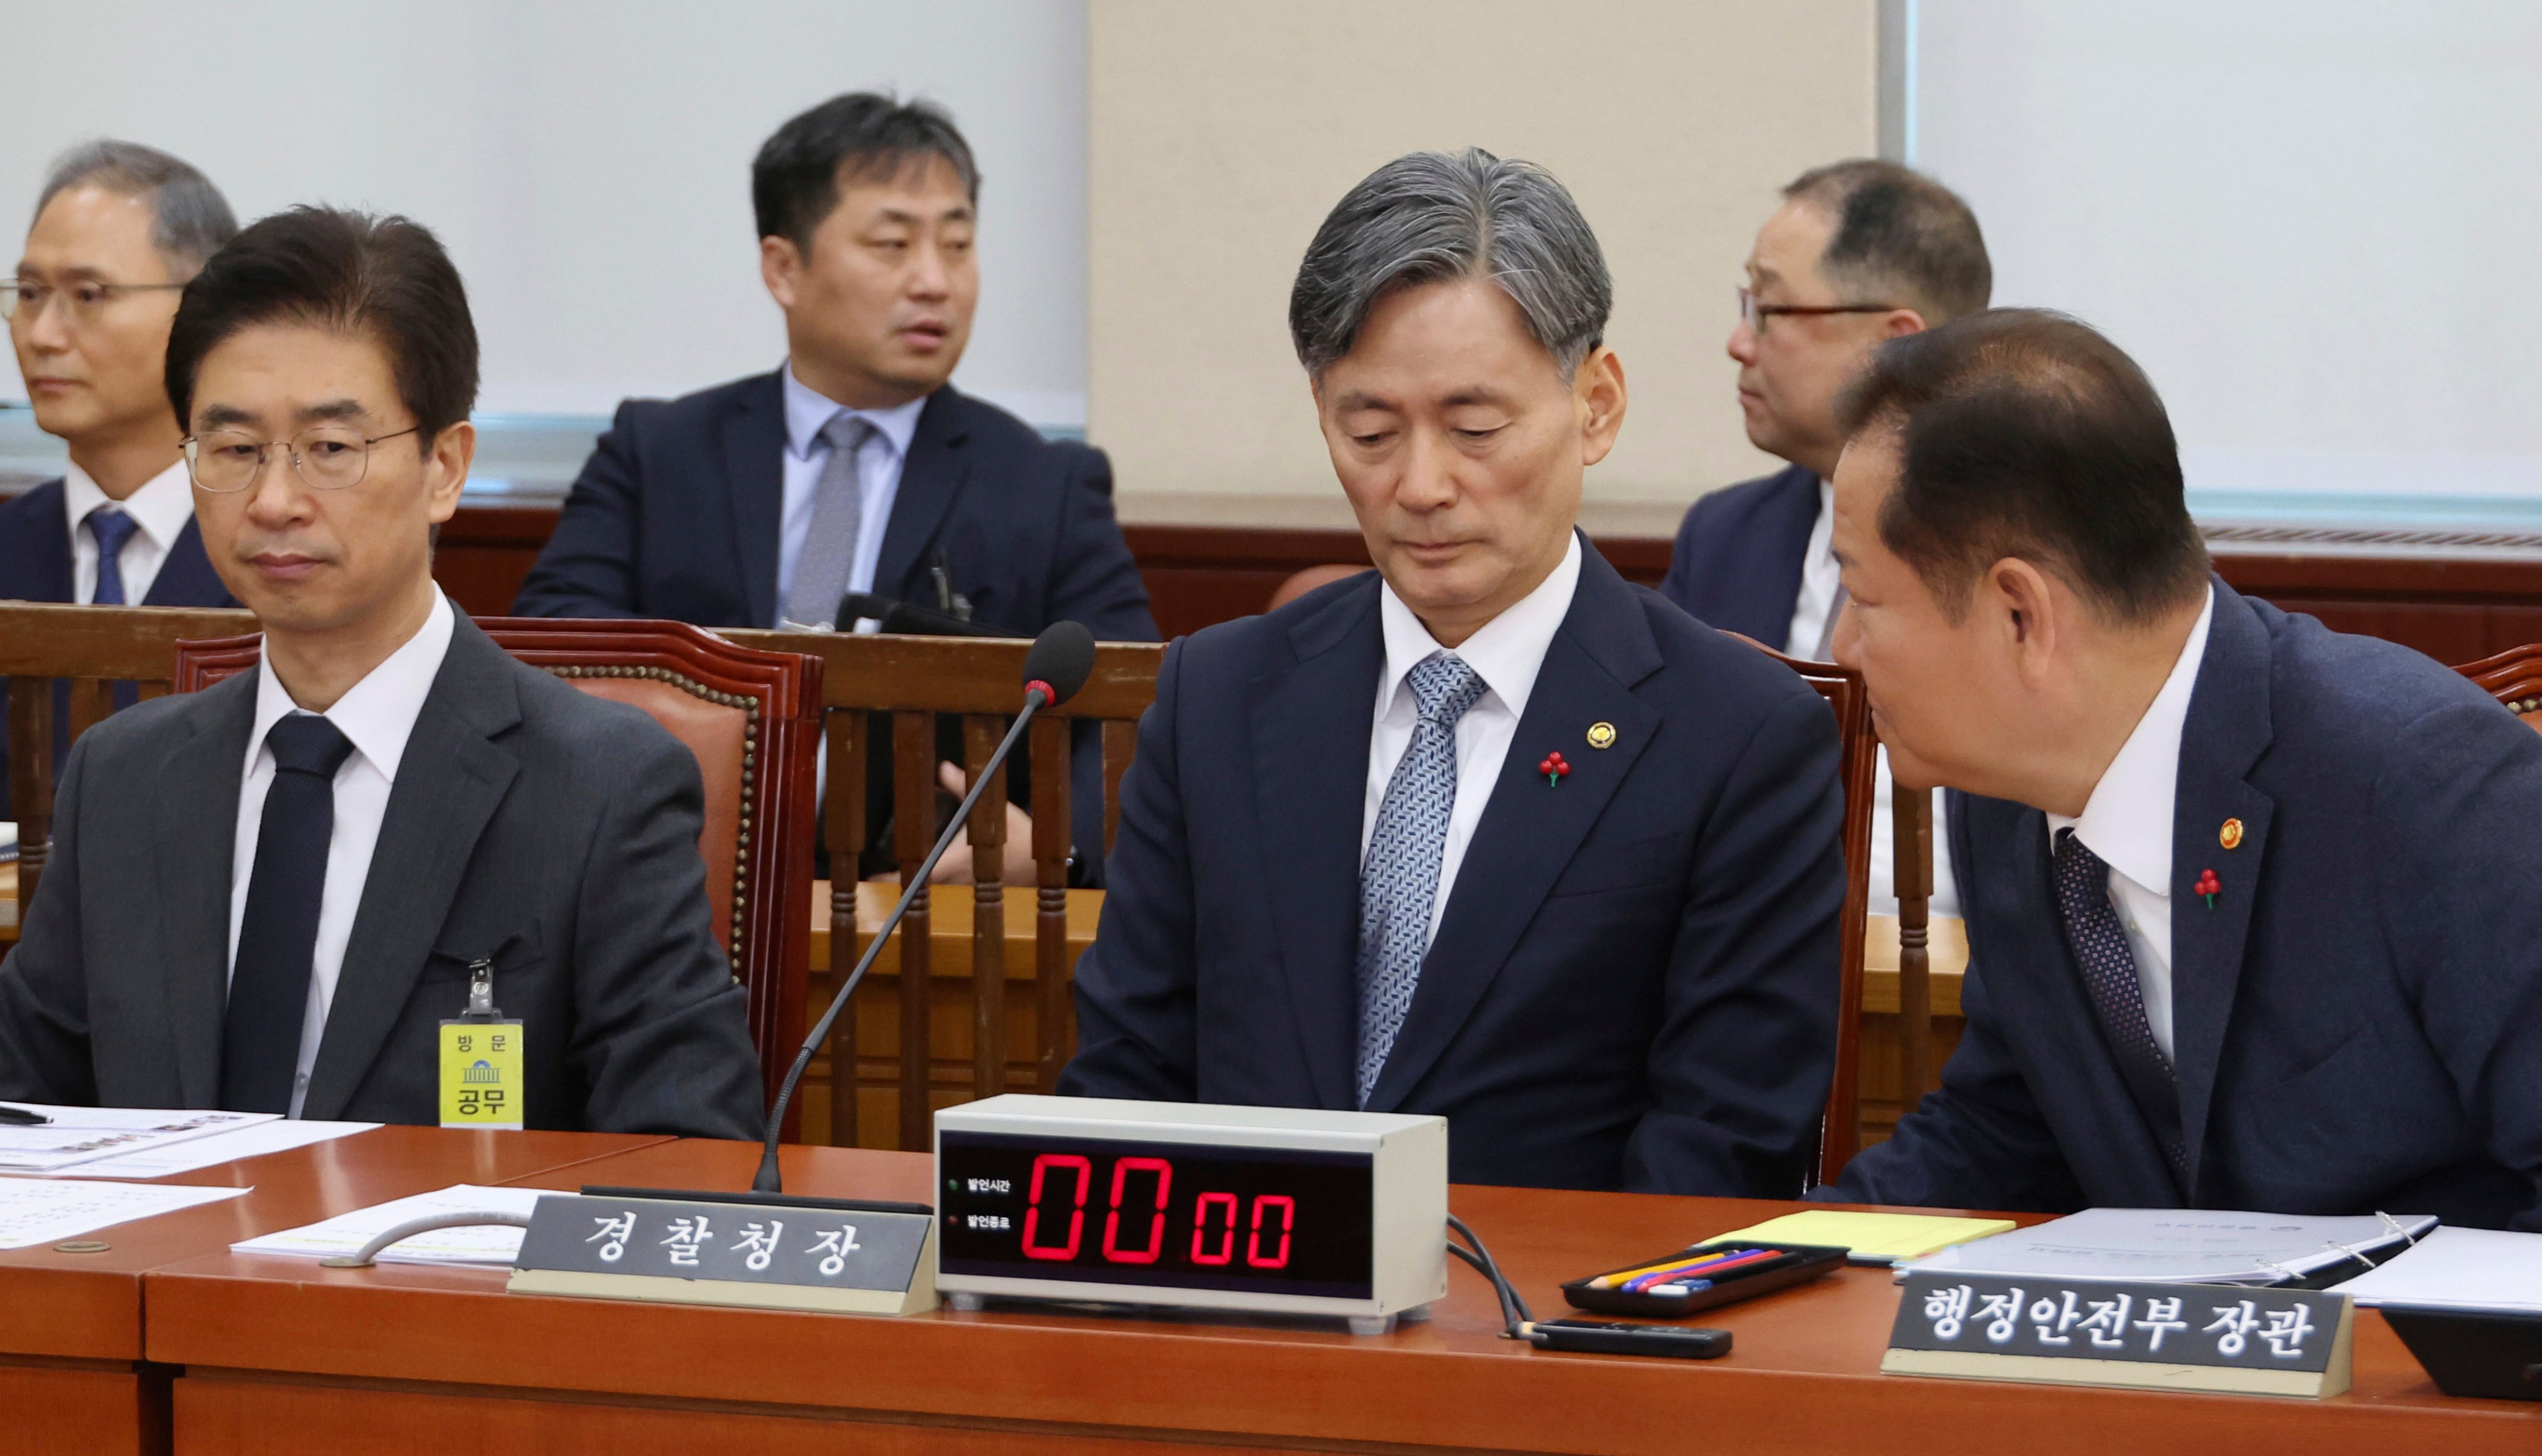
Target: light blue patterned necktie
(1399,883)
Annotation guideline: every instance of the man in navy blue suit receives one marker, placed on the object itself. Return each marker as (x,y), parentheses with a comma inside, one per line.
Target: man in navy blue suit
(2254,920)
(1486,832)
(856,466)
(118,230)
(1860,252)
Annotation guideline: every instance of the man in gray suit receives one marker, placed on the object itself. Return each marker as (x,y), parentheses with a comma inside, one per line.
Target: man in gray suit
(267,896)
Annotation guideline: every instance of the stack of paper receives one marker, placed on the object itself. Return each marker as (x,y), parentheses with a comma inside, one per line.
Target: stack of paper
(1871,1238)
(73,1136)
(347,1233)
(2177,1246)
(2459,1268)
(33,1212)
(252,1141)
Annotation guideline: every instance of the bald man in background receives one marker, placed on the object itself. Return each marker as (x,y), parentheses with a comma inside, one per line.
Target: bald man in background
(1861,252)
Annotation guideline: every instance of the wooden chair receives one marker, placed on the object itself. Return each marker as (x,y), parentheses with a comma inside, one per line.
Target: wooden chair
(1840,1136)
(752,718)
(92,648)
(912,679)
(2514,678)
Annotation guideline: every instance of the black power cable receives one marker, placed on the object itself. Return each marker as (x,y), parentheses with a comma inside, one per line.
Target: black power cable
(1593,1337)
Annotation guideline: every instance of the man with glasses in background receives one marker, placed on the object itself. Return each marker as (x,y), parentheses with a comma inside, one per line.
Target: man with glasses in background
(267,896)
(1860,252)
(118,230)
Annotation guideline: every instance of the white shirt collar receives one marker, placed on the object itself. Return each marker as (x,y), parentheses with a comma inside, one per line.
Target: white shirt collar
(807,412)
(1506,652)
(2128,820)
(161,507)
(378,713)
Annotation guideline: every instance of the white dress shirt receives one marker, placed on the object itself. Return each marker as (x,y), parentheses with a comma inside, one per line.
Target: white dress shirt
(878,465)
(2128,822)
(1820,577)
(1506,654)
(377,714)
(161,508)
(1819,574)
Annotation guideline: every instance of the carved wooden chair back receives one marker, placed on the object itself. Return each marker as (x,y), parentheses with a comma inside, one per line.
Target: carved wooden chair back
(2514,678)
(52,652)
(752,719)
(1840,1136)
(906,682)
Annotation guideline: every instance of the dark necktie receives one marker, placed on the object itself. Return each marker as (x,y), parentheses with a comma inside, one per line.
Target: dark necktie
(2108,968)
(278,934)
(112,529)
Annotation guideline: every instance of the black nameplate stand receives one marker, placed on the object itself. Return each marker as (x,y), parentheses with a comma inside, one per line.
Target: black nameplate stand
(2473,1353)
(758,1251)
(2225,1337)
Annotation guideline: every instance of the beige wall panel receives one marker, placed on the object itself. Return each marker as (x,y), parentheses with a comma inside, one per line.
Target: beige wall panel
(1222,130)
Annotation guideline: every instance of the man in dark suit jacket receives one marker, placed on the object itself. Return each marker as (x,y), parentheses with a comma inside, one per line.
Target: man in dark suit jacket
(1860,252)
(118,229)
(1576,890)
(856,465)
(2252,917)
(268,895)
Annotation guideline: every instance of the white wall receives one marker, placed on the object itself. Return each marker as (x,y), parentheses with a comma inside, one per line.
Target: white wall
(2317,225)
(1224,131)
(587,163)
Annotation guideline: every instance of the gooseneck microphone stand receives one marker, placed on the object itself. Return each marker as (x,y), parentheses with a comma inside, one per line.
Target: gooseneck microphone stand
(1060,661)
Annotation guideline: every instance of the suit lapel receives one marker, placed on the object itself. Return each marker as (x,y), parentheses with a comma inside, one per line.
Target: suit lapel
(448,785)
(753,463)
(187,578)
(1530,831)
(197,845)
(929,479)
(1311,746)
(2227,729)
(36,558)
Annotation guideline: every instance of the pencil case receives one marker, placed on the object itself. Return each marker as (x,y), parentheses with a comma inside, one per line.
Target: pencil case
(1801,1264)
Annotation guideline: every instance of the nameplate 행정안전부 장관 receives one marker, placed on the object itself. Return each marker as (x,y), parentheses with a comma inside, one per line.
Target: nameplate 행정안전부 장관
(2090,1332)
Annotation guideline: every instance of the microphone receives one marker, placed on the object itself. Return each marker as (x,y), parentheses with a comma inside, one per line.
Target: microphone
(907,618)
(1060,661)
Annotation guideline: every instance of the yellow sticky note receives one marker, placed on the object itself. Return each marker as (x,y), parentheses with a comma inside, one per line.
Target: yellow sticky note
(480,1074)
(1881,1236)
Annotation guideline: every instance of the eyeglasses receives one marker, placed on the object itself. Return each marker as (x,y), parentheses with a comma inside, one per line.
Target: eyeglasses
(23,299)
(329,457)
(1754,314)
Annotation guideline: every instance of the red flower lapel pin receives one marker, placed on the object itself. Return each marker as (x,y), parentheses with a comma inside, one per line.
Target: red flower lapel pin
(2207,888)
(1554,769)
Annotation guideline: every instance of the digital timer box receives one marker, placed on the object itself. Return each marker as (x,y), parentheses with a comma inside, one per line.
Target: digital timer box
(1278,1210)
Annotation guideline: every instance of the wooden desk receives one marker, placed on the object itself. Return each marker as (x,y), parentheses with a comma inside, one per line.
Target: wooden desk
(71,1323)
(283,1357)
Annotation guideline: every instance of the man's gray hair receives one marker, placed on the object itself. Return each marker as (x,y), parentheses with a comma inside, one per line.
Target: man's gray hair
(193,219)
(1437,217)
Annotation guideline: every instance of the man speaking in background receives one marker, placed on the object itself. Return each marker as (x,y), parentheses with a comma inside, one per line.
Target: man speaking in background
(1860,252)
(1486,832)
(2254,916)
(856,466)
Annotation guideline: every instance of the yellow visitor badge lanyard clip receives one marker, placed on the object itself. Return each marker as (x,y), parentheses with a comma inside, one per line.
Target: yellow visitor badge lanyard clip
(480,1060)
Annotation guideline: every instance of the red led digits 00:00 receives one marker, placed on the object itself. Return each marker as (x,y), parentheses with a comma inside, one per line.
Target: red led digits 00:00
(1061,1182)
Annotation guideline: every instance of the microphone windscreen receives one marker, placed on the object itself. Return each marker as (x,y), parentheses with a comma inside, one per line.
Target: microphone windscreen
(1062,657)
(861,604)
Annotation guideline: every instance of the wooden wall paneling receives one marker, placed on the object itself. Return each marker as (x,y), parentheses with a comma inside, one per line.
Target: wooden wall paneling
(484,553)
